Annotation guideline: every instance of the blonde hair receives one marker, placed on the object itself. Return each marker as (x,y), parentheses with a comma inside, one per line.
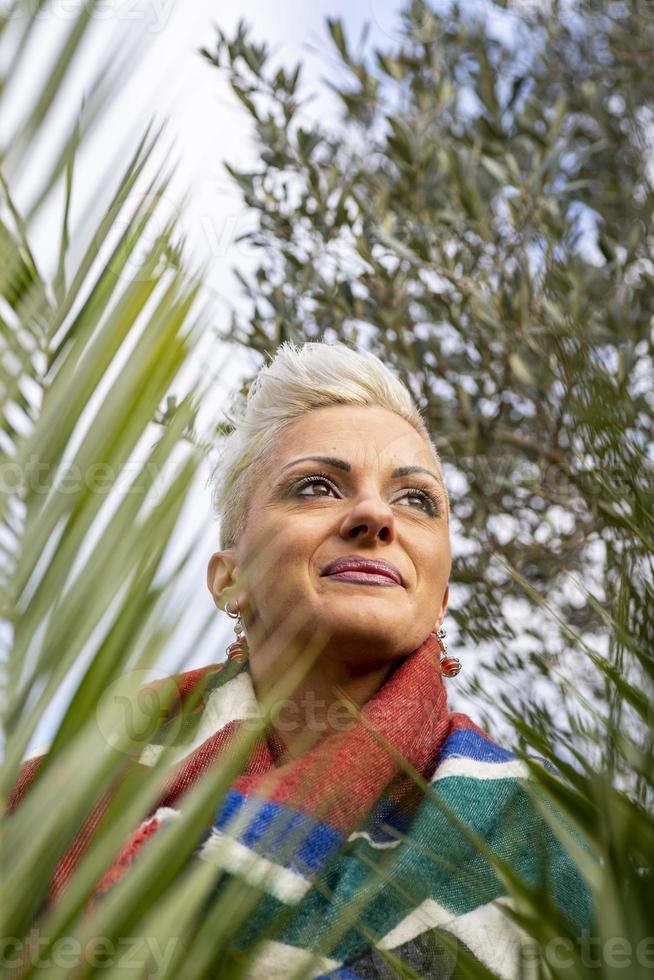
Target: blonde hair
(297,380)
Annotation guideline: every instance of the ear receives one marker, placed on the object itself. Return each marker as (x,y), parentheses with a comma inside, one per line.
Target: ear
(443,609)
(221,576)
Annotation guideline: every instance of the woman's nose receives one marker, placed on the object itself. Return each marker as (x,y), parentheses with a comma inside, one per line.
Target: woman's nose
(370,518)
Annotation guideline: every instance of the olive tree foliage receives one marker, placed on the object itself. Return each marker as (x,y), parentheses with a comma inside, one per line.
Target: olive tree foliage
(479,214)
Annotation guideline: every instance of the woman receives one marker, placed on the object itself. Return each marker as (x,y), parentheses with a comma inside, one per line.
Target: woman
(365,793)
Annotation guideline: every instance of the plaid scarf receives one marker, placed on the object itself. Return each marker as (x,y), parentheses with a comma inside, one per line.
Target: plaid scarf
(345,826)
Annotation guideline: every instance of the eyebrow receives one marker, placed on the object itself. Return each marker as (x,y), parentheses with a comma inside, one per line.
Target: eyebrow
(340,464)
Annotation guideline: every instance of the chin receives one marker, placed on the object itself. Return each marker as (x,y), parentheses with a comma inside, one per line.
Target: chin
(379,635)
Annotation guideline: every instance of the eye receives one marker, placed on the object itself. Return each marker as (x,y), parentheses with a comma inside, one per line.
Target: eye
(425,500)
(315,480)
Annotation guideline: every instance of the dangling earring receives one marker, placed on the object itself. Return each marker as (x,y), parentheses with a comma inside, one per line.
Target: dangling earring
(239,649)
(450,666)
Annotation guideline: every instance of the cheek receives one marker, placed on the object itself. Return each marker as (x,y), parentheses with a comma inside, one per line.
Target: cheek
(281,566)
(433,563)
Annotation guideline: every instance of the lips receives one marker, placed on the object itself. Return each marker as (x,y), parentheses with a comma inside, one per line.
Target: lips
(370,569)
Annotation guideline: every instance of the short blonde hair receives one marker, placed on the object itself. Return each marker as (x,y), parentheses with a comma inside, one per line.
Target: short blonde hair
(297,380)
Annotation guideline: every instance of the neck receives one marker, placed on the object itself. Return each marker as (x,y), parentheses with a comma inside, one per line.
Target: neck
(309,707)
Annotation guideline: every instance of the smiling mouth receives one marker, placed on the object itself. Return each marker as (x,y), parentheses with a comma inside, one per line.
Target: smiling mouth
(358,577)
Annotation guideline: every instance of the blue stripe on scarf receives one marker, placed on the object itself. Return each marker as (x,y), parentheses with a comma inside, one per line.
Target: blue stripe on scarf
(341,974)
(309,843)
(468,743)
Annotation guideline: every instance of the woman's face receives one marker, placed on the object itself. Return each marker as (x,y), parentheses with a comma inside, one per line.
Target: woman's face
(345,481)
